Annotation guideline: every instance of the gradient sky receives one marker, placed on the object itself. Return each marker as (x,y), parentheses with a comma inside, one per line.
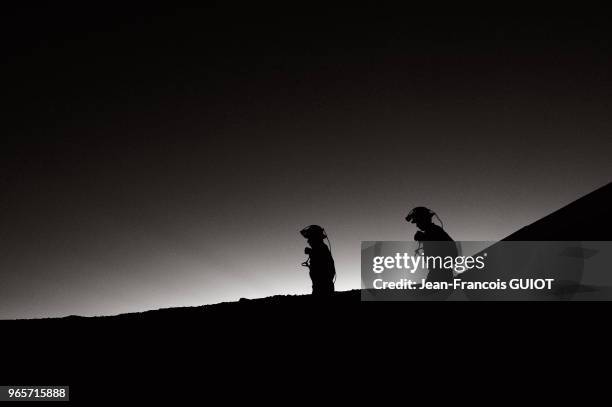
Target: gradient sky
(158,158)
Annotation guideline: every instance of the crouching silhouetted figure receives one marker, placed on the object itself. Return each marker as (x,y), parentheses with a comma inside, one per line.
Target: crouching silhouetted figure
(320,261)
(433,241)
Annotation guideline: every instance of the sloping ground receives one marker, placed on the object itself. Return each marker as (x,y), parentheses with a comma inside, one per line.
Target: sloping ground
(284,304)
(588,218)
(177,350)
(575,254)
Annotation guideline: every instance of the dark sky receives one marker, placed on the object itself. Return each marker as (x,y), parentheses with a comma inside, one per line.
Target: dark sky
(166,157)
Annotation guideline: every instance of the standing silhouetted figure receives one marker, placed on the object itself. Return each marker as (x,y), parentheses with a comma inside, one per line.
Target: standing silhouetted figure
(433,241)
(320,261)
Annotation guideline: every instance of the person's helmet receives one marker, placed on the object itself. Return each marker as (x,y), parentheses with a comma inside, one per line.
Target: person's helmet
(420,213)
(313,231)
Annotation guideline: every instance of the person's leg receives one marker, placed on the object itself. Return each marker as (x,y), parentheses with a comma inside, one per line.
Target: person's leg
(330,287)
(316,289)
(325,289)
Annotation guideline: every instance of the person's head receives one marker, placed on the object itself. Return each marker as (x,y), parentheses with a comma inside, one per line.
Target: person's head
(313,234)
(421,217)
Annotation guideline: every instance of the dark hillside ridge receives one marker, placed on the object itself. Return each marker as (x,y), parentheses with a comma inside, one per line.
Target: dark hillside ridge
(138,350)
(587,218)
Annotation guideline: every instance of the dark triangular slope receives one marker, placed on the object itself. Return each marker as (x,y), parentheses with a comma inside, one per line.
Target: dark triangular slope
(586,219)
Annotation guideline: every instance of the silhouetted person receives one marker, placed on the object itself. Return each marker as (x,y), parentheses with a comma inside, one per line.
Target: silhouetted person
(434,241)
(320,261)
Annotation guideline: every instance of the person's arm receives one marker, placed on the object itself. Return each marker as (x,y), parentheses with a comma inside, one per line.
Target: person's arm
(307,250)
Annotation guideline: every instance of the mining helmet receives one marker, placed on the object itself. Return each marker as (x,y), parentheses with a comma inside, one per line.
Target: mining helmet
(420,212)
(313,231)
